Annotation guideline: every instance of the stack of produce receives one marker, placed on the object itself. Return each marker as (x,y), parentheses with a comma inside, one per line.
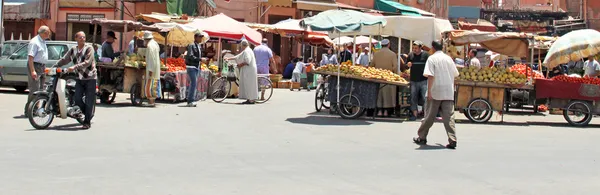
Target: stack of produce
(525,70)
(364,72)
(213,68)
(494,75)
(175,64)
(135,60)
(584,80)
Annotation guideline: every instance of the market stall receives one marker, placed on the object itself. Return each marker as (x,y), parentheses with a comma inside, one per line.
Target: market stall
(480,92)
(357,87)
(124,74)
(579,98)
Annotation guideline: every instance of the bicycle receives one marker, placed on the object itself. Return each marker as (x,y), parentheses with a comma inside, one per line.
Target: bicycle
(222,86)
(321,96)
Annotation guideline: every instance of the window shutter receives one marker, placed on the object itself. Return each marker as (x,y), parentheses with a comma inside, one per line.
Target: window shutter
(61,31)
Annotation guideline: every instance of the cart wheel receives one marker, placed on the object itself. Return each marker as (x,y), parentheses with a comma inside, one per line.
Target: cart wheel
(479,111)
(349,107)
(105,97)
(578,113)
(136,94)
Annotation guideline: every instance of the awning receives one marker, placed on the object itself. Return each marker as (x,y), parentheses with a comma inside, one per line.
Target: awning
(392,6)
(481,25)
(27,11)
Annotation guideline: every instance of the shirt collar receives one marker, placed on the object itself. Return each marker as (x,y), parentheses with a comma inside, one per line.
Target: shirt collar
(41,40)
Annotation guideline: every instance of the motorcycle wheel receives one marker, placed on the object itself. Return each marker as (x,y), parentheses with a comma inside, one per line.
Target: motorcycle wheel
(37,103)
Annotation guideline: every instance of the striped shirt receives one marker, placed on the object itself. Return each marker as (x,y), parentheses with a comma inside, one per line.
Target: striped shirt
(441,67)
(83,61)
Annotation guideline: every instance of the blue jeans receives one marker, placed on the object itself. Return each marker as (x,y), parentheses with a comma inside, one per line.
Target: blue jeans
(418,92)
(193,76)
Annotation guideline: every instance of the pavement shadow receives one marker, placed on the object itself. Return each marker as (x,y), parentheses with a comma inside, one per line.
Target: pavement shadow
(67,127)
(330,121)
(20,117)
(523,113)
(528,123)
(114,105)
(437,146)
(327,114)
(8,91)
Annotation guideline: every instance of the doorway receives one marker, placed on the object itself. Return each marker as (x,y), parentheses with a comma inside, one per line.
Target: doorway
(88,29)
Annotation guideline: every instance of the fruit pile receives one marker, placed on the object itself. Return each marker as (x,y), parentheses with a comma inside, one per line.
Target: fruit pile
(584,80)
(212,67)
(494,75)
(175,64)
(525,70)
(542,108)
(364,72)
(134,60)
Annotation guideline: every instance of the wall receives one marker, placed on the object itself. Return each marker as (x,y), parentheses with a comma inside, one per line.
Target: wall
(149,7)
(359,3)
(467,3)
(437,7)
(241,10)
(593,14)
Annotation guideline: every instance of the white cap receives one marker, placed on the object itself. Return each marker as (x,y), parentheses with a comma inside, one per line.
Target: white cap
(148,35)
(385,42)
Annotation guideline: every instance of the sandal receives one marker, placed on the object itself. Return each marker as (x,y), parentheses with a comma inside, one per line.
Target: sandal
(420,141)
(451,145)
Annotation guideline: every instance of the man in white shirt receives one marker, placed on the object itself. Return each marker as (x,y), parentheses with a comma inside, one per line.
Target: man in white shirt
(297,74)
(473,60)
(440,72)
(37,54)
(363,59)
(591,67)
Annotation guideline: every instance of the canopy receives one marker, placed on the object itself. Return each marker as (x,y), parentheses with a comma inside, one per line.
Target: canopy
(341,21)
(292,26)
(119,25)
(573,46)
(393,6)
(179,35)
(507,43)
(359,40)
(481,25)
(425,29)
(225,27)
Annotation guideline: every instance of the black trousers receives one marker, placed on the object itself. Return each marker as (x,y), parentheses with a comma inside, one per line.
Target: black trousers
(86,88)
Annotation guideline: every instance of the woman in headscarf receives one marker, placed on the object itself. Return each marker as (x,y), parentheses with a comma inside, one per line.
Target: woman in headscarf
(248,75)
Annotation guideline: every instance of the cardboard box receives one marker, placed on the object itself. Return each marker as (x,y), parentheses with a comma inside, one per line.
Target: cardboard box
(283,84)
(295,85)
(274,85)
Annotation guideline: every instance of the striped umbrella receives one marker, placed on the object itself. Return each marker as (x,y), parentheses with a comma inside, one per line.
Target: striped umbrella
(573,46)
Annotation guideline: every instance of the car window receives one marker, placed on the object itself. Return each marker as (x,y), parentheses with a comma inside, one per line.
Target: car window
(21,53)
(8,48)
(55,52)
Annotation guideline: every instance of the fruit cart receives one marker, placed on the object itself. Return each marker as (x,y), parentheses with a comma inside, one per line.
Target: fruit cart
(356,94)
(578,98)
(478,100)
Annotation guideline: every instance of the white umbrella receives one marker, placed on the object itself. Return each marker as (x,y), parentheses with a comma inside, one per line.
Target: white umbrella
(359,40)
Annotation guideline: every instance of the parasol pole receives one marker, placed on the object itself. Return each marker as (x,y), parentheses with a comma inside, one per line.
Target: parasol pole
(532,55)
(353,50)
(94,36)
(338,76)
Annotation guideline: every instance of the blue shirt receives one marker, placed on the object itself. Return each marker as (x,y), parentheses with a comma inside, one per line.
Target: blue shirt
(288,71)
(262,53)
(38,50)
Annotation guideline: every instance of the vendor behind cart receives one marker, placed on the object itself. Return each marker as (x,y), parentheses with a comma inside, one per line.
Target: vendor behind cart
(107,48)
(388,60)
(591,67)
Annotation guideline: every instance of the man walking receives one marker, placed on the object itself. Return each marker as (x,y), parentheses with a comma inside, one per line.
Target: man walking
(152,79)
(264,58)
(82,56)
(440,72)
(418,83)
(192,61)
(37,58)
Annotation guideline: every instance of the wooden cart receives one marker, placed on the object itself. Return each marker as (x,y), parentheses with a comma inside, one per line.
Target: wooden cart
(357,94)
(114,78)
(579,102)
(478,100)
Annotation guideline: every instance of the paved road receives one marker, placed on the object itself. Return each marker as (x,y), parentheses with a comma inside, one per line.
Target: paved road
(283,147)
